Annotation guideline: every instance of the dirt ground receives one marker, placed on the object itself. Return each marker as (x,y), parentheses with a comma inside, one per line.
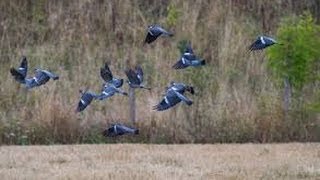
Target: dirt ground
(141,161)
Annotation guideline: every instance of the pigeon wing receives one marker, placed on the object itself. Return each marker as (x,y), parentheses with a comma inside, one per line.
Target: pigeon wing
(167,102)
(150,38)
(50,74)
(106,73)
(108,91)
(85,100)
(23,69)
(183,98)
(41,77)
(139,73)
(17,75)
(257,45)
(180,64)
(188,49)
(158,30)
(132,76)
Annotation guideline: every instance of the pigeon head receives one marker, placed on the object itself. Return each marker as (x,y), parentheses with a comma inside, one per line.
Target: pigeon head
(190,89)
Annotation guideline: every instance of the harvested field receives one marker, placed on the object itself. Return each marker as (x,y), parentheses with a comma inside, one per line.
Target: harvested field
(140,161)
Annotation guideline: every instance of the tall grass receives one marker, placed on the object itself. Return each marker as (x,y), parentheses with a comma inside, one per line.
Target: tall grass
(236,98)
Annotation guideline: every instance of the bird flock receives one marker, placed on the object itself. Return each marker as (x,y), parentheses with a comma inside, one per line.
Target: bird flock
(174,93)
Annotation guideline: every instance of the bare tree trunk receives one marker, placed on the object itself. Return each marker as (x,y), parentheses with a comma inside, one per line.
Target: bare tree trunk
(132,104)
(287,96)
(113,15)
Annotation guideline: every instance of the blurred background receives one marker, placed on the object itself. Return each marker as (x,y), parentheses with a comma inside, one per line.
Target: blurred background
(240,95)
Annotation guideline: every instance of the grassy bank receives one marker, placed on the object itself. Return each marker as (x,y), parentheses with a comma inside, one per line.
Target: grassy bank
(237,100)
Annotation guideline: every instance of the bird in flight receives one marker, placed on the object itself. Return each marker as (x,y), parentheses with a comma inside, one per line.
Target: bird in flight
(135,78)
(262,42)
(174,95)
(107,76)
(188,58)
(119,130)
(154,31)
(41,76)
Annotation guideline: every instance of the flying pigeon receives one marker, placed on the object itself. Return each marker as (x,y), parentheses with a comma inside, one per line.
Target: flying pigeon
(188,58)
(262,42)
(85,100)
(109,90)
(107,76)
(173,96)
(154,31)
(135,78)
(118,130)
(41,76)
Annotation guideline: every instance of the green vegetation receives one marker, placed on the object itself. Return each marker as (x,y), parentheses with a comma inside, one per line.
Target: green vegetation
(298,57)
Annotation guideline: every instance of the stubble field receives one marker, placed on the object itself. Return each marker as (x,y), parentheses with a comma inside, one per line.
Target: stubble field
(140,161)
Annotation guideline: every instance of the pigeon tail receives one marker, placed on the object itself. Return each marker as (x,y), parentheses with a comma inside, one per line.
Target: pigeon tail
(170,34)
(189,103)
(105,133)
(147,88)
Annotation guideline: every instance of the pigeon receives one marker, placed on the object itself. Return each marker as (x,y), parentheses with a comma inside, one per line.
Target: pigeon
(154,31)
(174,95)
(110,90)
(135,78)
(262,42)
(41,76)
(107,76)
(118,130)
(85,100)
(188,58)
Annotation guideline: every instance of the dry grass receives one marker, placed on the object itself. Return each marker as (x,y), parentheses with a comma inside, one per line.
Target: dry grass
(139,161)
(236,99)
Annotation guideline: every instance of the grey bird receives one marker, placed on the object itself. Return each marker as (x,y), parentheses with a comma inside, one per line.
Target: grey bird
(135,78)
(174,95)
(110,90)
(86,98)
(262,42)
(107,76)
(188,58)
(118,130)
(154,31)
(41,76)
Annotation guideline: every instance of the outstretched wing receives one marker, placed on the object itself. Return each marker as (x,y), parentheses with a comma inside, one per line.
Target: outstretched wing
(150,38)
(188,49)
(106,73)
(85,100)
(183,98)
(107,92)
(158,30)
(126,130)
(139,73)
(167,102)
(23,69)
(181,64)
(257,45)
(17,75)
(49,74)
(132,76)
(20,73)
(154,31)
